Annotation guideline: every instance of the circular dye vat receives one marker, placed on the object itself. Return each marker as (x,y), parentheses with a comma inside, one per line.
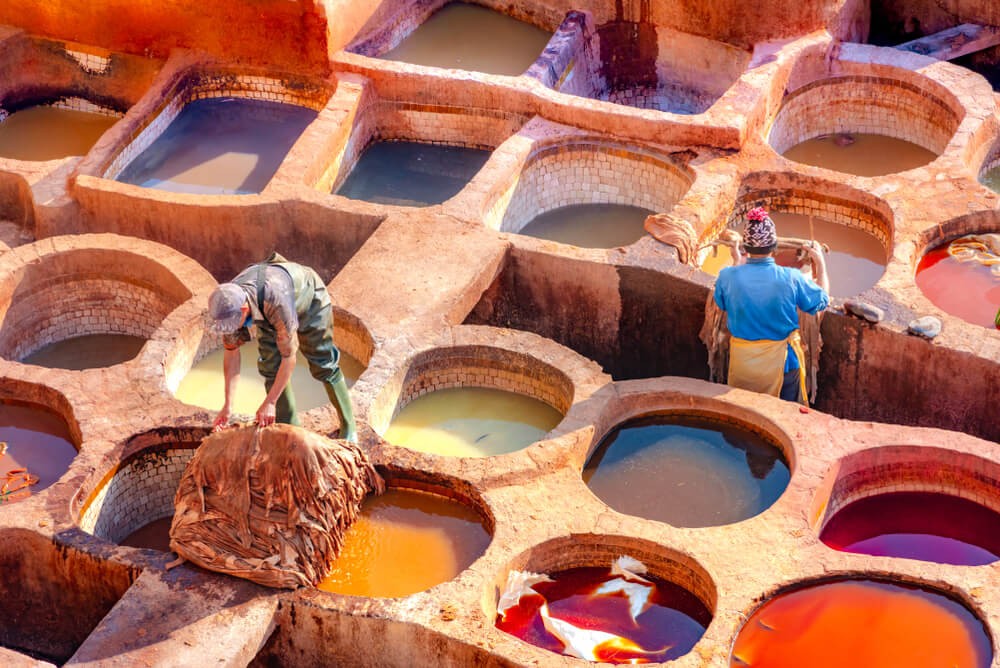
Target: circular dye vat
(590,225)
(204,384)
(407,173)
(471,422)
(861,154)
(862,623)
(406,541)
(470,37)
(686,471)
(967,290)
(37,441)
(90,351)
(51,133)
(220,146)
(653,623)
(153,536)
(917,525)
(856,260)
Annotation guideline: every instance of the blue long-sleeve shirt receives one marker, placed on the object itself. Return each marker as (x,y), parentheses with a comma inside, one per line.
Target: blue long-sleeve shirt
(762,299)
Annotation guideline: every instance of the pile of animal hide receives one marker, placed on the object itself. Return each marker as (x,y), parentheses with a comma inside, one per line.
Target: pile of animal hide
(270,505)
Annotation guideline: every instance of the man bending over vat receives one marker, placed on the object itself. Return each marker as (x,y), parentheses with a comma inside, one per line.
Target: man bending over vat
(290,307)
(761,300)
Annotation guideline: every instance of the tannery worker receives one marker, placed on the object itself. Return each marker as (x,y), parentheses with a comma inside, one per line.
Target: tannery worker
(761,300)
(290,307)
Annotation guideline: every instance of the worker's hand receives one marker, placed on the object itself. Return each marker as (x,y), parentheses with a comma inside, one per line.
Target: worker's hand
(221,420)
(265,414)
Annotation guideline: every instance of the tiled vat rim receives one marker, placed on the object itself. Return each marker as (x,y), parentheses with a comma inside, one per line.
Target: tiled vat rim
(73,103)
(138,491)
(914,468)
(582,171)
(847,212)
(867,104)
(202,85)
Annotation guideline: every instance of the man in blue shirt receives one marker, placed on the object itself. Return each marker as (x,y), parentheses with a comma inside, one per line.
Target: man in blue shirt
(761,300)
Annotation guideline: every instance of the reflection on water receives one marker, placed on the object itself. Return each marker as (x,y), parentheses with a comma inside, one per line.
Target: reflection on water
(220,146)
(471,422)
(469,37)
(861,623)
(406,541)
(50,133)
(686,471)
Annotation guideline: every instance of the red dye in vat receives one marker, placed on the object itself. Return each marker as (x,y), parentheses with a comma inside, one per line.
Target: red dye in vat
(36,450)
(917,525)
(152,536)
(667,629)
(968,290)
(862,623)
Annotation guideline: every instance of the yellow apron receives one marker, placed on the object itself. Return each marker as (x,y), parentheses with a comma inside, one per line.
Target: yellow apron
(759,366)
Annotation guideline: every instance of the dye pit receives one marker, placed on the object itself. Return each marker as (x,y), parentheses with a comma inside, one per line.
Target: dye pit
(411,173)
(967,290)
(861,154)
(862,623)
(51,133)
(405,542)
(446,290)
(220,146)
(471,37)
(89,351)
(665,624)
(686,471)
(590,225)
(917,525)
(855,262)
(204,383)
(471,422)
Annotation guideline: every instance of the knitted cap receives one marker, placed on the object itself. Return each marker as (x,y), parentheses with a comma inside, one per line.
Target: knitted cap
(224,308)
(759,231)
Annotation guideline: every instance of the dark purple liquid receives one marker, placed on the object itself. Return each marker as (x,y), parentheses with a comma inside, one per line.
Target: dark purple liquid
(153,536)
(917,525)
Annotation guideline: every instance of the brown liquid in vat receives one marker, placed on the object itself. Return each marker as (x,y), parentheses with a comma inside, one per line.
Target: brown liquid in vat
(153,536)
(861,154)
(856,260)
(90,351)
(469,37)
(590,225)
(406,541)
(51,133)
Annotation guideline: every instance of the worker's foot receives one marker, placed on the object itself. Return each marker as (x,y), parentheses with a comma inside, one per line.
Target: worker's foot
(339,396)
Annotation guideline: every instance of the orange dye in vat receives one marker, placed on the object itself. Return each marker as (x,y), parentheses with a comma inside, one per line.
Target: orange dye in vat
(469,37)
(856,260)
(590,225)
(153,536)
(668,627)
(51,133)
(406,541)
(968,290)
(917,525)
(38,442)
(861,154)
(90,351)
(204,384)
(862,623)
